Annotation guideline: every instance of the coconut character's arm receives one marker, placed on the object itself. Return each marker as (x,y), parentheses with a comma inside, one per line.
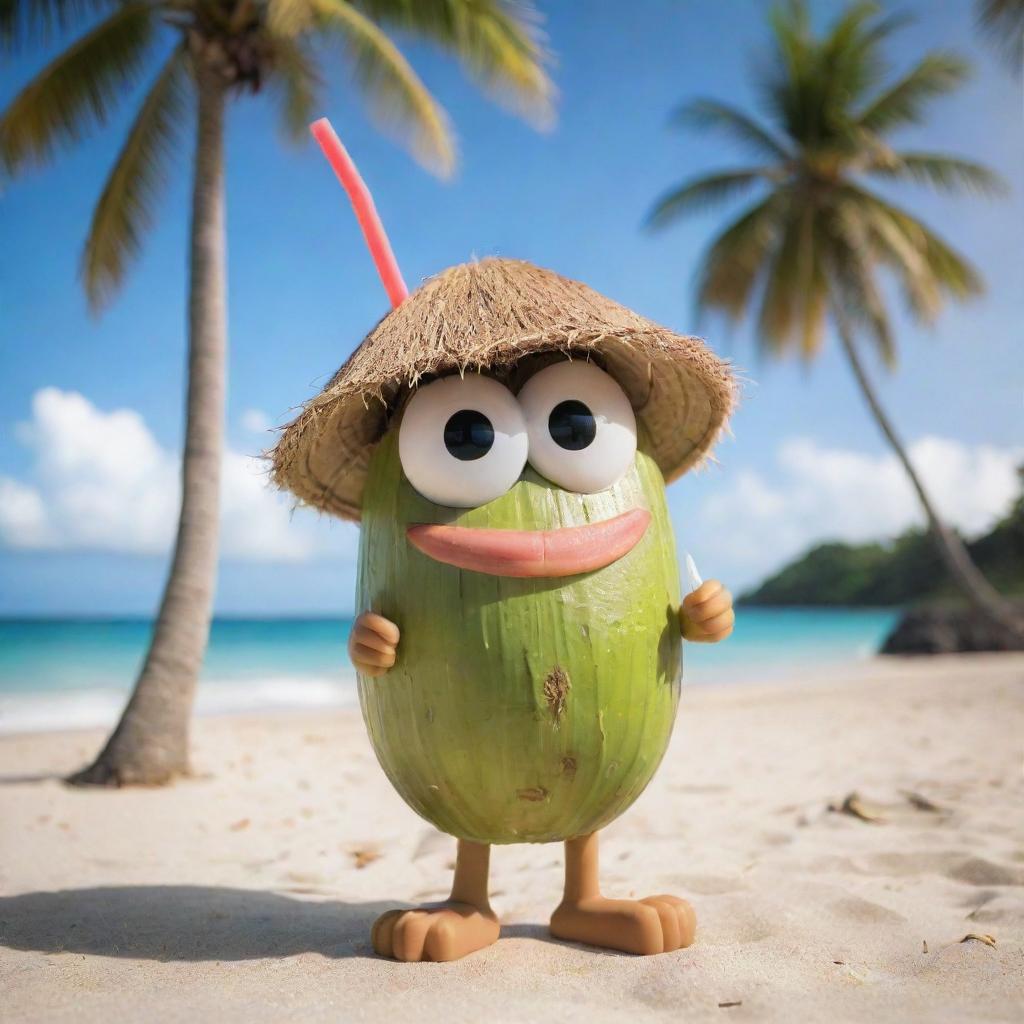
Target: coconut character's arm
(706,615)
(373,643)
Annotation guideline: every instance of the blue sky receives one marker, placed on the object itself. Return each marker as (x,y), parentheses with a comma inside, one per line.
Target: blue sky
(804,461)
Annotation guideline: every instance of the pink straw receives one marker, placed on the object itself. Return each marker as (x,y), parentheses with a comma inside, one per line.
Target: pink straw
(366,213)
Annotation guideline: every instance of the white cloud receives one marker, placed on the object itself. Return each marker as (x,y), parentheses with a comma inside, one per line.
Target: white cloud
(22,515)
(101,481)
(255,421)
(755,524)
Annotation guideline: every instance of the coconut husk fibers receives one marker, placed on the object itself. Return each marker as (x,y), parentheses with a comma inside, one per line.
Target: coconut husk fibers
(501,317)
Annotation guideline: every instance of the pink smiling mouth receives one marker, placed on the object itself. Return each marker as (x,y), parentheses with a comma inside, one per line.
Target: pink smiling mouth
(532,553)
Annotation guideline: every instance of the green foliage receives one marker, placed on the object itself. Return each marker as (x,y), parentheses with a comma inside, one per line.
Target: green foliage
(829,574)
(1003,548)
(1003,22)
(396,94)
(908,571)
(497,41)
(248,43)
(29,22)
(296,83)
(127,204)
(708,190)
(817,238)
(79,89)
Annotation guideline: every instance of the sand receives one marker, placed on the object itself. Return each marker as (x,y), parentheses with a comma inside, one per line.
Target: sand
(247,893)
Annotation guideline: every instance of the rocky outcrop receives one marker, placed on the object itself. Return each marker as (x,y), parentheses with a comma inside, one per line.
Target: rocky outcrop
(939,630)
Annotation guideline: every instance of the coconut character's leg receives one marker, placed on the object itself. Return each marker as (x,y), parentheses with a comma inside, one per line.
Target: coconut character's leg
(461,924)
(658,924)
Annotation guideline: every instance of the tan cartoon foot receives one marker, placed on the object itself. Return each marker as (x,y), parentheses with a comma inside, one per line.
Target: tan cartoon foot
(446,931)
(658,924)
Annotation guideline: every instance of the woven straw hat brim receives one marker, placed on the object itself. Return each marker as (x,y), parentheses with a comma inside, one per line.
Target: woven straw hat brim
(488,317)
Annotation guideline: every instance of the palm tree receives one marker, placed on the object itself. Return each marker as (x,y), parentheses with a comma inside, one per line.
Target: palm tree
(200,54)
(812,244)
(1003,22)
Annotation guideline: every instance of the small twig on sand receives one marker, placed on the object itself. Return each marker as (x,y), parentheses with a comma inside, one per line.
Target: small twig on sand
(856,808)
(734,1002)
(365,855)
(988,940)
(921,803)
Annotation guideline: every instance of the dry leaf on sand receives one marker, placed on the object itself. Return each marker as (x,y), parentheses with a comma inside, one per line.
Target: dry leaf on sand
(855,807)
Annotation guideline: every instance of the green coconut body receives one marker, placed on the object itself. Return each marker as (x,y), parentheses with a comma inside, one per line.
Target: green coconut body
(520,710)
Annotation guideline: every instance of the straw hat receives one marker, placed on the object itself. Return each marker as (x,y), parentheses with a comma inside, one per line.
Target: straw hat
(490,316)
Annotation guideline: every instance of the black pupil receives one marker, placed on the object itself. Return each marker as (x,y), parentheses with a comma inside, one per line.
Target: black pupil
(572,425)
(468,435)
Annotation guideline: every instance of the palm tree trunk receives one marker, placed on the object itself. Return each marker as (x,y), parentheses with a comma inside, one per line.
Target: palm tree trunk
(151,742)
(964,573)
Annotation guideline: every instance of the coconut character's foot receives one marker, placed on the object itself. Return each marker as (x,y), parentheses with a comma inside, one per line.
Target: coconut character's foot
(462,924)
(658,924)
(446,931)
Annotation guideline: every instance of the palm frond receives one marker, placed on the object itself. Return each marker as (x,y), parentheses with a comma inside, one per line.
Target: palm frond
(790,24)
(815,290)
(794,297)
(704,113)
(399,99)
(295,81)
(862,302)
(849,58)
(928,268)
(1003,22)
(287,19)
(707,190)
(31,22)
(79,89)
(784,80)
(126,206)
(903,102)
(853,280)
(736,258)
(946,173)
(778,314)
(953,274)
(892,246)
(814,81)
(498,41)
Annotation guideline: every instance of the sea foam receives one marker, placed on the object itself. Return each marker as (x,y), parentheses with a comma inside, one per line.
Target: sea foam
(99,708)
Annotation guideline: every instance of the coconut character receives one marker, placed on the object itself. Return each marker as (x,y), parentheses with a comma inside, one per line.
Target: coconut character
(504,437)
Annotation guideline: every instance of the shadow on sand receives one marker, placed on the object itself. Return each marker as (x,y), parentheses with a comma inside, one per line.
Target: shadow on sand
(30,778)
(184,922)
(200,923)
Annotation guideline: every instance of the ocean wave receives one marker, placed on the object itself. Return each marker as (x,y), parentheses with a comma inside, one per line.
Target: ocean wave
(100,707)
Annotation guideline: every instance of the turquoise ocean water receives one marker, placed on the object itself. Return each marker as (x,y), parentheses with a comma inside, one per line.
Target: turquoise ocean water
(58,674)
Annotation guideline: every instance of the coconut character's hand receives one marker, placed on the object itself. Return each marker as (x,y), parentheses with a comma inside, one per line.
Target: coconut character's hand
(706,615)
(372,644)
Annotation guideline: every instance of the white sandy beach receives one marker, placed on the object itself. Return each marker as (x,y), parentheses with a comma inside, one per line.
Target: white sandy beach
(247,893)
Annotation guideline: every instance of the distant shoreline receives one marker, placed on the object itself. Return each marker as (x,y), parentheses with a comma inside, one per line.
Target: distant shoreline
(743,602)
(75,712)
(74,673)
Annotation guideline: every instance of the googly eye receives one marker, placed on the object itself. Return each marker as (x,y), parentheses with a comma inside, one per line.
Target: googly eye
(462,441)
(581,425)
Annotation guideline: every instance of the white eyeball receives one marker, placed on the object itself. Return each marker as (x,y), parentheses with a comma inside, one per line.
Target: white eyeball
(462,441)
(582,428)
